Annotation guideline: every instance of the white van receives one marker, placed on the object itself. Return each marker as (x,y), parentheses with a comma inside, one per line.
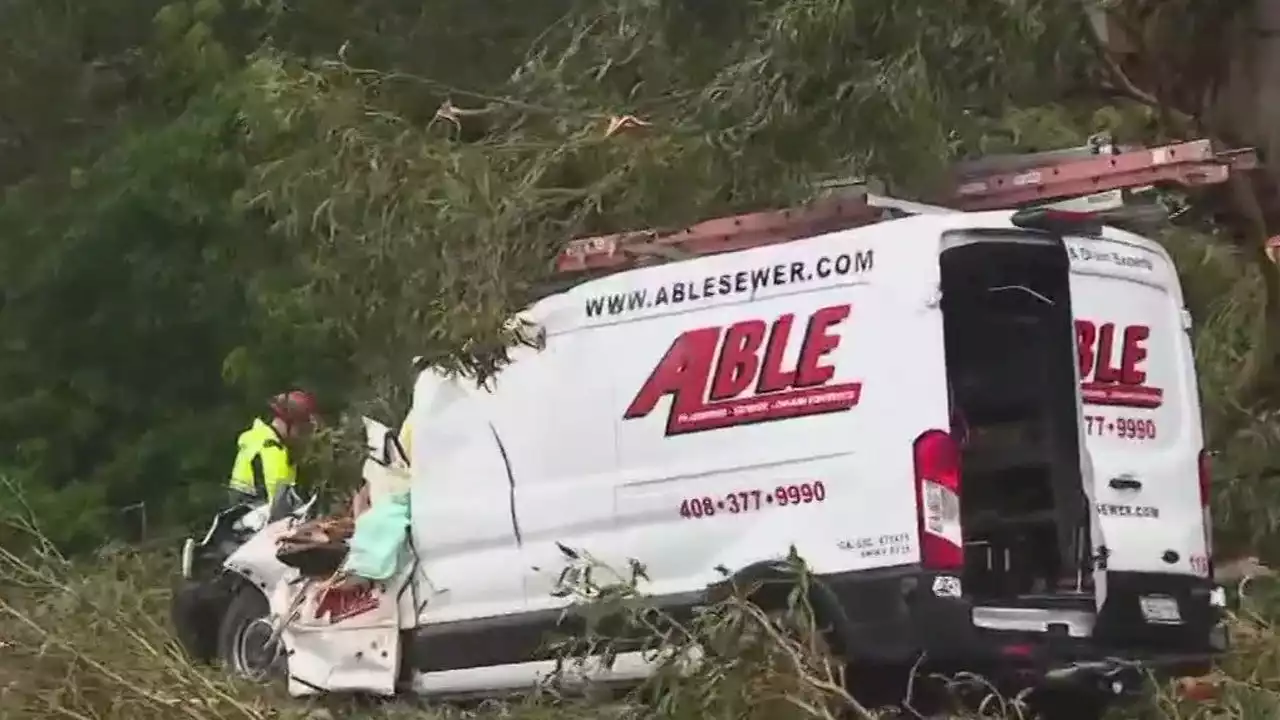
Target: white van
(982,436)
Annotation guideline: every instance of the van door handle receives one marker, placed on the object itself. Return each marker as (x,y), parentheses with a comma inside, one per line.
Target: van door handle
(1125,482)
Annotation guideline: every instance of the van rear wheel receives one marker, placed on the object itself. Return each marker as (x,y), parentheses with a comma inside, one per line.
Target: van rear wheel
(818,646)
(1069,705)
(822,663)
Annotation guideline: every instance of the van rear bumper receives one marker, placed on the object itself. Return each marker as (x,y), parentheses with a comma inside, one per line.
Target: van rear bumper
(893,616)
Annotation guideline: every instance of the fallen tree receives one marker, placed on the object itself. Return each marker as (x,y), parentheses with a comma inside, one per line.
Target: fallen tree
(1220,86)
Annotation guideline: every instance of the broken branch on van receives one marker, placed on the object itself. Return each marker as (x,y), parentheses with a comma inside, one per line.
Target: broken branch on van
(741,108)
(767,641)
(1219,86)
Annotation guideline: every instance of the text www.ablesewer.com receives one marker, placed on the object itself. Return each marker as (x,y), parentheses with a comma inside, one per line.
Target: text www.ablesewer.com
(741,282)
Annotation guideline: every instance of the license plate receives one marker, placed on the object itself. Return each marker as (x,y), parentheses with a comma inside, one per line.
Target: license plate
(1160,610)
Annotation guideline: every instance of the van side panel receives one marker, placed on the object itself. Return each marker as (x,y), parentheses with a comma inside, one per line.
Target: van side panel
(783,416)
(462,526)
(557,438)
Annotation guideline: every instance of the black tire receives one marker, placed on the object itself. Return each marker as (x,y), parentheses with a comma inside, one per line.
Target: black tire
(873,687)
(245,626)
(196,612)
(1070,705)
(824,651)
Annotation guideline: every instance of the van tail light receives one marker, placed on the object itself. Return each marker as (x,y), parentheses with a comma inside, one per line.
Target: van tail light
(938,478)
(1206,478)
(1205,463)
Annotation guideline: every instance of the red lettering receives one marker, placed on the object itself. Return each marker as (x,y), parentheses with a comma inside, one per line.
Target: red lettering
(1104,371)
(1135,351)
(704,400)
(739,359)
(1086,336)
(682,374)
(1108,380)
(772,377)
(342,603)
(818,343)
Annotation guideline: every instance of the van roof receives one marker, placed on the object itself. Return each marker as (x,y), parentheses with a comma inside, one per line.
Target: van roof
(1003,219)
(1003,182)
(563,310)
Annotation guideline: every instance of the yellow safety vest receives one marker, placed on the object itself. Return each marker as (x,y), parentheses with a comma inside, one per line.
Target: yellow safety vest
(263,465)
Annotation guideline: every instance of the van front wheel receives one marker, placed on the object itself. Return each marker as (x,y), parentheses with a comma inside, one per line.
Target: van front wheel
(245,644)
(1069,705)
(195,610)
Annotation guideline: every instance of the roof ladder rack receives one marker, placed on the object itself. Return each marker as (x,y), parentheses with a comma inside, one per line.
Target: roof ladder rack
(993,183)
(1096,145)
(1188,164)
(710,237)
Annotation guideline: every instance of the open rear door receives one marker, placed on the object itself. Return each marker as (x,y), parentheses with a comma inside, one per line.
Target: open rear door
(1009,333)
(1145,442)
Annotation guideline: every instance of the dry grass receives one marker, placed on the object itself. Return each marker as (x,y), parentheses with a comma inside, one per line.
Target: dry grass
(87,641)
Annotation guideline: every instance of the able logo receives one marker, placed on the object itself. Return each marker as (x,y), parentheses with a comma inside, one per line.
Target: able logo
(1112,360)
(723,376)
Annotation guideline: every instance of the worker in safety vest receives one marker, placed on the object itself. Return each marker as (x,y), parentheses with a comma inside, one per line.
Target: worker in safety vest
(263,464)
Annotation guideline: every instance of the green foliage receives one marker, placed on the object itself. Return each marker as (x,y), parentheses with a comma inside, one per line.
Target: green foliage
(364,168)
(1225,293)
(117,326)
(206,201)
(135,350)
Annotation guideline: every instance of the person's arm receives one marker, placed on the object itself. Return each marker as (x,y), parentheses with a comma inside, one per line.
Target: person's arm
(276,469)
(259,477)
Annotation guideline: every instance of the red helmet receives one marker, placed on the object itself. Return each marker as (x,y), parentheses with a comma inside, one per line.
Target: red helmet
(295,407)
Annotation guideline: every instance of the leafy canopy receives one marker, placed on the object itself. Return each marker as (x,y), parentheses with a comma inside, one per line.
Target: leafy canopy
(208,200)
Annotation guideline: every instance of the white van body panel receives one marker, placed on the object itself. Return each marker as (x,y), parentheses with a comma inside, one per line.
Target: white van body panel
(461,523)
(587,477)
(1141,403)
(668,453)
(594,443)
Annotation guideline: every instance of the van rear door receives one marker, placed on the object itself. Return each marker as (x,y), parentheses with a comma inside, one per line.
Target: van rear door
(1142,429)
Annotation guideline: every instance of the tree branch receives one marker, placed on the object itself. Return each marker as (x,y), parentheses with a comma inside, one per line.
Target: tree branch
(1124,86)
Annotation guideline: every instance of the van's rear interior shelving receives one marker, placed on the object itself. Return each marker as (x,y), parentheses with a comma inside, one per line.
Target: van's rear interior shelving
(1009,347)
